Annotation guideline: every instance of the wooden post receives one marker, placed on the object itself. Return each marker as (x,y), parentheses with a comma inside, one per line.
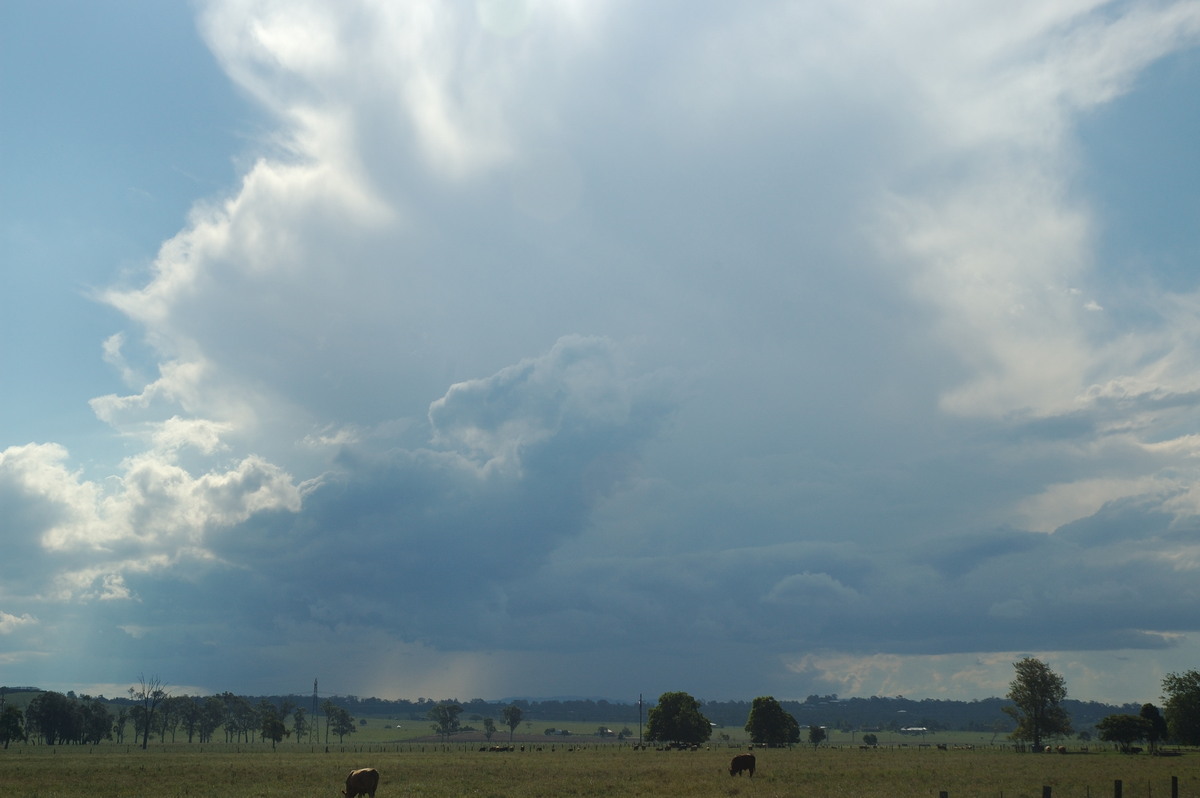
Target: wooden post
(1174,787)
(943,794)
(1045,791)
(1117,788)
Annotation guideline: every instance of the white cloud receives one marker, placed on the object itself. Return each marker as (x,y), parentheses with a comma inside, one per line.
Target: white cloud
(10,623)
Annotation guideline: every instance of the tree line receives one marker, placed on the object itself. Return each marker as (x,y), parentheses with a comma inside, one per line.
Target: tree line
(53,718)
(1037,695)
(1038,709)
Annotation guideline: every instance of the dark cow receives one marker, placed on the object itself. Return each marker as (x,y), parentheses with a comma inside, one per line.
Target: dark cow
(363,781)
(742,762)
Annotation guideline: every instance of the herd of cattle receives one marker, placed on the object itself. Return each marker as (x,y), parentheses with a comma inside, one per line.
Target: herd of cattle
(364,781)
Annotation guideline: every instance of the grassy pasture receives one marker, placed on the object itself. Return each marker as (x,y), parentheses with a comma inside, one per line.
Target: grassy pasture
(441,771)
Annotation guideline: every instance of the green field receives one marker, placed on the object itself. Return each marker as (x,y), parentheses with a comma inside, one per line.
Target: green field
(590,769)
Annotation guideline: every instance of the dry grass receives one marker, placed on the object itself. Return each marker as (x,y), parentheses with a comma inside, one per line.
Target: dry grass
(610,771)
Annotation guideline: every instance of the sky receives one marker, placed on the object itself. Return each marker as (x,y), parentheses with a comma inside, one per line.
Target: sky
(566,348)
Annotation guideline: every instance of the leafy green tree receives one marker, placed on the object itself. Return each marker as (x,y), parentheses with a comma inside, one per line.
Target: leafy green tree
(1124,730)
(816,735)
(241,718)
(212,715)
(445,719)
(1182,706)
(870,739)
(489,728)
(97,721)
(1158,725)
(1038,693)
(300,724)
(12,725)
(54,718)
(190,712)
(677,718)
(341,722)
(770,725)
(512,718)
(273,727)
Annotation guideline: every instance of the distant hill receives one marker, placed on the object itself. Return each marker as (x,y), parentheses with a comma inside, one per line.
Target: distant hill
(985,715)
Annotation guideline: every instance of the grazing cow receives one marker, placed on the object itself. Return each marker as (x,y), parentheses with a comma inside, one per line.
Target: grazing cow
(1062,749)
(363,781)
(742,762)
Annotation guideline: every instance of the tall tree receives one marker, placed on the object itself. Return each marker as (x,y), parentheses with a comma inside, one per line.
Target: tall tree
(119,724)
(445,719)
(54,718)
(512,719)
(769,724)
(150,693)
(300,723)
(1182,706)
(273,728)
(1158,725)
(1037,693)
(12,726)
(97,721)
(342,723)
(212,715)
(677,718)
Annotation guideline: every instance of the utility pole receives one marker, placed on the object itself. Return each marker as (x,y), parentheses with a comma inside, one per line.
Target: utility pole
(639,720)
(316,725)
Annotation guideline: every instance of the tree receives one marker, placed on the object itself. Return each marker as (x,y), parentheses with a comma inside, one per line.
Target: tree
(1182,706)
(190,712)
(120,722)
(1124,730)
(97,721)
(489,728)
(445,719)
(341,721)
(300,723)
(212,714)
(816,735)
(1038,693)
(1158,725)
(870,739)
(770,725)
(677,718)
(12,725)
(54,718)
(273,727)
(512,719)
(150,693)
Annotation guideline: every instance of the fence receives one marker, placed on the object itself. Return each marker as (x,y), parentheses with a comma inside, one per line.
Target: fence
(1118,788)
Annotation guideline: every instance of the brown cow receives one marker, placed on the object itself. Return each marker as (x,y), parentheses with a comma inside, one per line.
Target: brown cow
(742,762)
(361,782)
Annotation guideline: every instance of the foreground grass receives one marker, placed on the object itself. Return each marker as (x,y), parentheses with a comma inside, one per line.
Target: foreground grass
(609,771)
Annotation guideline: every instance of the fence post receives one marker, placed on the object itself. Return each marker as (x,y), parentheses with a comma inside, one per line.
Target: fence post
(943,794)
(1117,788)
(1174,787)
(1045,791)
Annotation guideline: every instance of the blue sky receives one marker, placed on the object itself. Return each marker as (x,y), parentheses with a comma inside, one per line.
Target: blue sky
(553,348)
